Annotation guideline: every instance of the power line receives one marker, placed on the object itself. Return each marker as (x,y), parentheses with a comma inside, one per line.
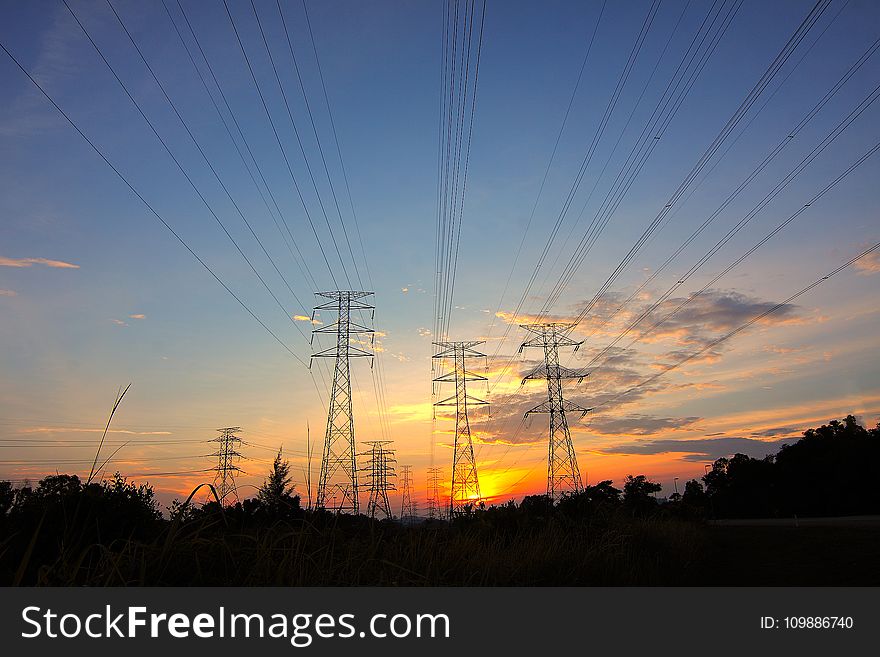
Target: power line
(279,142)
(455,148)
(317,138)
(467,159)
(150,207)
(677,89)
(808,22)
(761,242)
(670,100)
(336,141)
(806,161)
(790,135)
(288,239)
(565,116)
(176,161)
(744,326)
(210,166)
(298,140)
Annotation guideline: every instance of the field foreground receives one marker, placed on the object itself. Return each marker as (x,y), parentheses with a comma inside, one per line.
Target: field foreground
(323,549)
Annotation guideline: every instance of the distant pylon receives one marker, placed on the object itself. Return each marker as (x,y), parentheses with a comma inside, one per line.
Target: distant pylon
(433,504)
(227,454)
(380,473)
(465,488)
(407,506)
(563,475)
(338,479)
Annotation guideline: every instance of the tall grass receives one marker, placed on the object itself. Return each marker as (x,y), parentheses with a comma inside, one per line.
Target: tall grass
(318,550)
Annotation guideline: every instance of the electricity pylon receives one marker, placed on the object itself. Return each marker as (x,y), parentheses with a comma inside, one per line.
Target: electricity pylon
(465,489)
(227,454)
(338,479)
(407,505)
(563,475)
(434,493)
(380,470)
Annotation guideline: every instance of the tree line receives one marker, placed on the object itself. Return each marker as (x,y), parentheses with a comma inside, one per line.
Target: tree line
(65,526)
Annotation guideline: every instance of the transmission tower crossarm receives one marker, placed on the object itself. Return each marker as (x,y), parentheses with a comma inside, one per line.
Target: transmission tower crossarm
(353,327)
(567,406)
(557,329)
(541,372)
(353,352)
(454,400)
(449,348)
(449,377)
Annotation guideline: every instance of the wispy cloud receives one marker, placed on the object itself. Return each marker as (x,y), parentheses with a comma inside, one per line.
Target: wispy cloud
(95,430)
(870,264)
(8,293)
(57,62)
(30,262)
(685,322)
(118,322)
(137,316)
(701,449)
(641,425)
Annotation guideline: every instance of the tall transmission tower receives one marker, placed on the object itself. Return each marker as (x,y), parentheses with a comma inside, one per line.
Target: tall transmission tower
(563,475)
(407,505)
(338,478)
(380,470)
(433,505)
(227,455)
(465,489)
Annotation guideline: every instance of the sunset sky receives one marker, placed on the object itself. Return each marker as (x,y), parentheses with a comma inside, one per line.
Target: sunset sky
(95,293)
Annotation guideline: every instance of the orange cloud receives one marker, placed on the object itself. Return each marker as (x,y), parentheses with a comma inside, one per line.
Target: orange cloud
(95,430)
(137,316)
(868,265)
(29,262)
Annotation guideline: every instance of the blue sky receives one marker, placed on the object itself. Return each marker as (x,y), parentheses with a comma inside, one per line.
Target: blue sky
(137,307)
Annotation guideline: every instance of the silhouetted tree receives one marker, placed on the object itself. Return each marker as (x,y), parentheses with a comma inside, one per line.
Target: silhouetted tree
(638,493)
(7,497)
(832,470)
(593,501)
(694,494)
(276,493)
(741,486)
(537,505)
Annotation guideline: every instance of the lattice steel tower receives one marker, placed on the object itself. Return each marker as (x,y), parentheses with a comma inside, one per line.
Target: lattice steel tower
(465,488)
(380,474)
(227,455)
(338,479)
(433,496)
(563,475)
(407,505)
